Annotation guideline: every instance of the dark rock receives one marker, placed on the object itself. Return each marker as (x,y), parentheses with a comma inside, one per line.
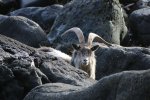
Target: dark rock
(35,3)
(7,5)
(62,1)
(143,4)
(18,73)
(12,90)
(44,16)
(132,5)
(133,85)
(140,26)
(22,29)
(22,68)
(129,8)
(103,17)
(116,59)
(65,74)
(58,70)
(5,75)
(40,3)
(125,2)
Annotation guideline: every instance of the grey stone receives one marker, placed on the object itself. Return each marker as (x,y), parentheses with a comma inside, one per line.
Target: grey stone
(6,6)
(140,26)
(22,68)
(35,3)
(22,29)
(62,1)
(143,4)
(132,85)
(103,17)
(44,16)
(117,59)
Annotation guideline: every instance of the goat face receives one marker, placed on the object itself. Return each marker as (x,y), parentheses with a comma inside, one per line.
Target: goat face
(83,55)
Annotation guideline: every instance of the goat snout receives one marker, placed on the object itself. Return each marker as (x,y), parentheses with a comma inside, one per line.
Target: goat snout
(85,62)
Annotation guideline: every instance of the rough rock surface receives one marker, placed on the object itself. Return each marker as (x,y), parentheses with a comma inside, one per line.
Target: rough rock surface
(22,29)
(22,68)
(44,16)
(128,1)
(140,25)
(133,85)
(35,3)
(116,59)
(6,6)
(103,17)
(143,4)
(62,1)
(18,75)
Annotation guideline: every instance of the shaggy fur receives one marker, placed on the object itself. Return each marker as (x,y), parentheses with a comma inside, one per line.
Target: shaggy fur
(84,58)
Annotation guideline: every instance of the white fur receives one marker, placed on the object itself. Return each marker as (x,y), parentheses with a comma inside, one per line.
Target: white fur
(77,62)
(56,53)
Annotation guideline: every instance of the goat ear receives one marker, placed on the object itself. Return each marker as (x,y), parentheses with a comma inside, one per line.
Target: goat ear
(94,48)
(76,47)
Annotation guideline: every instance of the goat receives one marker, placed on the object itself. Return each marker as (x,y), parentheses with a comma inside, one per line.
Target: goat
(83,56)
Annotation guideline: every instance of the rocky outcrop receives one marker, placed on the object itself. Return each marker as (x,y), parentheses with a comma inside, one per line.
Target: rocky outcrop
(133,85)
(140,26)
(18,74)
(117,59)
(22,29)
(44,16)
(103,17)
(22,68)
(28,73)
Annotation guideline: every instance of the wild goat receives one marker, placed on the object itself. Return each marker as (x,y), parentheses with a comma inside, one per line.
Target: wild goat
(83,56)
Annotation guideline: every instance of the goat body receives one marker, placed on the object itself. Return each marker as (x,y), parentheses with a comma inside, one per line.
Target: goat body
(56,53)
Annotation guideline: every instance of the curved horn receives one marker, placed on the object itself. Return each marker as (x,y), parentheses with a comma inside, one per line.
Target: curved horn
(93,36)
(78,32)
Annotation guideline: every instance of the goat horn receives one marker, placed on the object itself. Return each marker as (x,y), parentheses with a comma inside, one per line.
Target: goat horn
(79,34)
(93,36)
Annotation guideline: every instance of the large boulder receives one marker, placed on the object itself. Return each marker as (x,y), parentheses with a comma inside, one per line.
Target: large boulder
(140,26)
(22,68)
(133,85)
(17,73)
(117,59)
(44,16)
(22,29)
(58,70)
(103,17)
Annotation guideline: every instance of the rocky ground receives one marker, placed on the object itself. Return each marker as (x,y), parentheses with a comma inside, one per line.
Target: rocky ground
(27,73)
